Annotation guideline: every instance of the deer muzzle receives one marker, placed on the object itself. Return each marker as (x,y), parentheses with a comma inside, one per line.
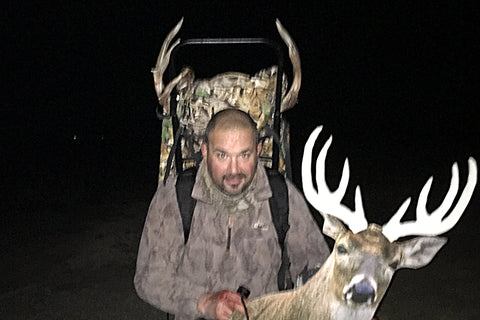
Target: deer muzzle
(360,290)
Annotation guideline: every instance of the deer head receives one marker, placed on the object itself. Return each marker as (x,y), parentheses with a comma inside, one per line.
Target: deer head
(365,257)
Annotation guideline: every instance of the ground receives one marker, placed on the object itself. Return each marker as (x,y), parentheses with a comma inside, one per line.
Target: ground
(87,274)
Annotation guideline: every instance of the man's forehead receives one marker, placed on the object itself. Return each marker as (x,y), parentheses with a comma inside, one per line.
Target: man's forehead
(231,140)
(227,134)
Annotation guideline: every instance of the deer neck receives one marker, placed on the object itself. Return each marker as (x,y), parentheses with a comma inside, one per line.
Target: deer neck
(313,300)
(320,297)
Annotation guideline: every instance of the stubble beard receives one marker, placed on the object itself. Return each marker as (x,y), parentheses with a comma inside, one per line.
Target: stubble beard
(221,186)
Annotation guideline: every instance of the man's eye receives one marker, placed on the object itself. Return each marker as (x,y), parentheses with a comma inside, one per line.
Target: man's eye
(221,155)
(246,155)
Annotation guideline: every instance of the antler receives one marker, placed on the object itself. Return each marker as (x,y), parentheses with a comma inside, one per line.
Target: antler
(325,200)
(292,96)
(426,224)
(435,223)
(163,93)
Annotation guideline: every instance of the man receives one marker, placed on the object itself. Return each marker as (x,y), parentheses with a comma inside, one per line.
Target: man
(232,240)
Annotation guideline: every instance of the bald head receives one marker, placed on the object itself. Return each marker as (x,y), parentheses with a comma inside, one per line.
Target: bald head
(231,119)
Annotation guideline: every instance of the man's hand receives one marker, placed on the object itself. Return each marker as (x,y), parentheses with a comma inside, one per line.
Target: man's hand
(220,305)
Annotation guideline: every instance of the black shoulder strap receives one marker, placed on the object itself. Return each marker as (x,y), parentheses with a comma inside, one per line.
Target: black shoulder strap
(278,208)
(186,203)
(279,204)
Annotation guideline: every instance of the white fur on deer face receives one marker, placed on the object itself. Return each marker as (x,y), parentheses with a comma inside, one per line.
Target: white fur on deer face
(363,267)
(364,263)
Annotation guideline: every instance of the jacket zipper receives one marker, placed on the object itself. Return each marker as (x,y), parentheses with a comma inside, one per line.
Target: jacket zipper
(229,232)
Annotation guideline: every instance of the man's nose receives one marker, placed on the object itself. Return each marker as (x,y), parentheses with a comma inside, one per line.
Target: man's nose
(233,165)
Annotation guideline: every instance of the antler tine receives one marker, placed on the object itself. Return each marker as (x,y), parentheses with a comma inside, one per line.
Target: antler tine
(162,62)
(325,200)
(435,223)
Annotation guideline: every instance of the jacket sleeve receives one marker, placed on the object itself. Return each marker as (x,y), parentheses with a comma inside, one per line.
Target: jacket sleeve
(306,245)
(160,252)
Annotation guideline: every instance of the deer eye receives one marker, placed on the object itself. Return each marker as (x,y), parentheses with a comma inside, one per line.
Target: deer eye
(393,265)
(341,249)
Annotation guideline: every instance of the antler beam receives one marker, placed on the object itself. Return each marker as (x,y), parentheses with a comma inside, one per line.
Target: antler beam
(325,200)
(162,64)
(435,223)
(291,98)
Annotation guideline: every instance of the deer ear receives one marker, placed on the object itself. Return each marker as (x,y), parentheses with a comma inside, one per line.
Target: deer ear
(418,252)
(332,226)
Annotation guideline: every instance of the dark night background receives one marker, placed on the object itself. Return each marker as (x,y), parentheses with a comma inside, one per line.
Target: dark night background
(396,84)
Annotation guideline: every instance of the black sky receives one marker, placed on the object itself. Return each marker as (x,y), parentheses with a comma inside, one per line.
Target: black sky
(81,63)
(396,84)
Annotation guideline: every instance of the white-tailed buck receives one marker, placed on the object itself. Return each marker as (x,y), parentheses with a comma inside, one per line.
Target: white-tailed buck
(354,279)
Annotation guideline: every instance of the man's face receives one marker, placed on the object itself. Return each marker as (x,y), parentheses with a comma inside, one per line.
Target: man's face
(231,156)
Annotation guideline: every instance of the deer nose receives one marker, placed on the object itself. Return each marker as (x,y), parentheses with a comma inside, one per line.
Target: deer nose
(361,292)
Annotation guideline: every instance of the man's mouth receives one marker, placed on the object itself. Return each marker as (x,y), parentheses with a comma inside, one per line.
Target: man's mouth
(234,180)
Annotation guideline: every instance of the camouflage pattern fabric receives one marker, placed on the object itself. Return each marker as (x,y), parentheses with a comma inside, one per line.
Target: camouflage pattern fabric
(198,100)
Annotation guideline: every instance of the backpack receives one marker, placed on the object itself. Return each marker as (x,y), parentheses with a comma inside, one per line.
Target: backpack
(278,207)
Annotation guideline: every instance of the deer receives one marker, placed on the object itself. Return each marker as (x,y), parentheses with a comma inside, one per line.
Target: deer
(355,277)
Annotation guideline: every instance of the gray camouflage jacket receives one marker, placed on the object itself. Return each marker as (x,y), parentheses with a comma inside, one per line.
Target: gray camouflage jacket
(172,276)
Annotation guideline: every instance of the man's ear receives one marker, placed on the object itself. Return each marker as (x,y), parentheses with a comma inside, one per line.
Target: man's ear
(259,148)
(203,147)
